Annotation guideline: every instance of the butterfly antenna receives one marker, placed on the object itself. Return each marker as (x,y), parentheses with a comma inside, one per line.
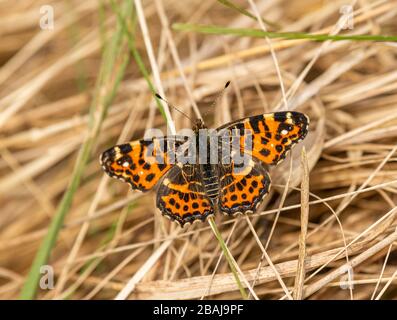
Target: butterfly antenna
(220,94)
(172,106)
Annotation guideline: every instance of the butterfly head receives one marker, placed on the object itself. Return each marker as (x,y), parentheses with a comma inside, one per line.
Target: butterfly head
(199,124)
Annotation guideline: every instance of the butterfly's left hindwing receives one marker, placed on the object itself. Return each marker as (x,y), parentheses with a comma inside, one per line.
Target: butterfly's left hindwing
(141,163)
(242,188)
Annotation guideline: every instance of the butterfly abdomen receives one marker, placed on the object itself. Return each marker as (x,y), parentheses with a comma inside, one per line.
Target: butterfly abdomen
(210,180)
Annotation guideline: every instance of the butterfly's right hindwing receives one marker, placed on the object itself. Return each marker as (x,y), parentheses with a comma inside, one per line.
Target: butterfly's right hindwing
(181,195)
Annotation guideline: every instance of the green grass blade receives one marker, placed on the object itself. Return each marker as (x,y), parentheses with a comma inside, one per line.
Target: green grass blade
(241,10)
(256,33)
(109,77)
(74,32)
(136,55)
(229,259)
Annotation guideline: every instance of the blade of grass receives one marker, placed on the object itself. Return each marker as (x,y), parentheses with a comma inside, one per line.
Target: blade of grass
(137,277)
(228,257)
(102,25)
(301,272)
(109,78)
(74,31)
(136,55)
(268,259)
(256,33)
(241,10)
(272,53)
(94,263)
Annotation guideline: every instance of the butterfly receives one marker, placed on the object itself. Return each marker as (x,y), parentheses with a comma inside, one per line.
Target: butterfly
(193,191)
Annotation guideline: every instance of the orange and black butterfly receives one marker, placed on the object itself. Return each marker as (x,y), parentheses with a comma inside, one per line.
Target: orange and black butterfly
(194,191)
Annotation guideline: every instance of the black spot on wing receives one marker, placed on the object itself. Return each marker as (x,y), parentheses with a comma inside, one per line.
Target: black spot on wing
(264,152)
(146,143)
(280,116)
(284,126)
(150,177)
(125,148)
(254,123)
(264,140)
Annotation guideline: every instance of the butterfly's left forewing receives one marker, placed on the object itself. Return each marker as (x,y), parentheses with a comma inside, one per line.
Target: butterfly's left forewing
(269,137)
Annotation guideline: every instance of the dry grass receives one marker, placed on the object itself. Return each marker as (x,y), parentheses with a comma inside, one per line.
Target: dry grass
(114,243)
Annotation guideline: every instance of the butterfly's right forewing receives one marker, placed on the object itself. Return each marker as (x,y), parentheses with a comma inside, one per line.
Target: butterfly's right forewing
(141,163)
